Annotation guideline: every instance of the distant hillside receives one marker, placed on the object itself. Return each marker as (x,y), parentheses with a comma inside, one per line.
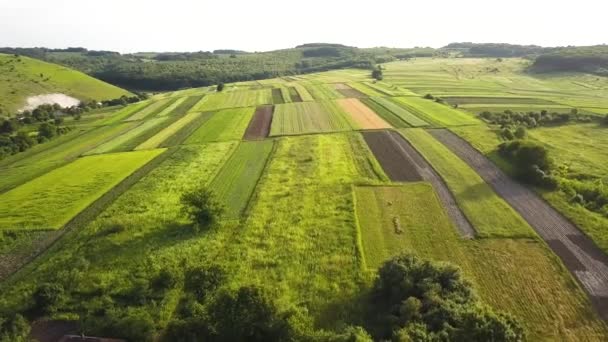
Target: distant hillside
(21,77)
(588,59)
(175,70)
(494,49)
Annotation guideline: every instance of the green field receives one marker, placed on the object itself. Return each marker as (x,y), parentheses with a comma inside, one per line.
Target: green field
(309,117)
(235,183)
(490,215)
(23,77)
(166,133)
(234,99)
(411,119)
(125,140)
(227,124)
(65,195)
(549,302)
(440,114)
(310,214)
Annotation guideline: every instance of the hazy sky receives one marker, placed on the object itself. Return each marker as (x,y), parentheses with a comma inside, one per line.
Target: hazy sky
(259,25)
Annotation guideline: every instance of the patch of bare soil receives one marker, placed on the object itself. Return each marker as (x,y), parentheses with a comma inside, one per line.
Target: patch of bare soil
(259,126)
(397,164)
(580,255)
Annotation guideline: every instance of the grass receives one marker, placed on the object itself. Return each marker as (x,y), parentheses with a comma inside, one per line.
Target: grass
(384,113)
(23,77)
(236,181)
(489,214)
(187,105)
(286,95)
(303,92)
(227,124)
(50,201)
(389,89)
(234,99)
(363,88)
(123,141)
(519,276)
(440,114)
(125,112)
(166,133)
(309,117)
(300,233)
(407,116)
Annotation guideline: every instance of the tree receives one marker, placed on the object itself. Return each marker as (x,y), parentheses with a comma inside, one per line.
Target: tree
(204,280)
(47,130)
(425,301)
(220,87)
(377,74)
(14,329)
(201,207)
(7,127)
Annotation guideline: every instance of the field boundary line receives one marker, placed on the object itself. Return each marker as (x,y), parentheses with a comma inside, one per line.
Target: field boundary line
(253,195)
(358,235)
(83,218)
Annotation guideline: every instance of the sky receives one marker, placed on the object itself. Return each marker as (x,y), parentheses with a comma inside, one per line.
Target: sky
(261,25)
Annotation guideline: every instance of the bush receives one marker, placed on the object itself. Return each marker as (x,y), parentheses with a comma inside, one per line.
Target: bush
(220,87)
(424,301)
(201,207)
(14,329)
(201,281)
(521,133)
(531,161)
(429,97)
(48,297)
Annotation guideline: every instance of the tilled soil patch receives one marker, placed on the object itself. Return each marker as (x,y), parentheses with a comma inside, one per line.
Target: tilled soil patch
(397,164)
(259,126)
(591,268)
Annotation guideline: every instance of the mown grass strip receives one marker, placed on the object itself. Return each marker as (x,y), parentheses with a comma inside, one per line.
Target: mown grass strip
(187,106)
(185,132)
(50,201)
(385,114)
(125,112)
(488,213)
(163,135)
(236,181)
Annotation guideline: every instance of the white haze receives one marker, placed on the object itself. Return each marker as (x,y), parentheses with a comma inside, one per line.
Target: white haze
(193,25)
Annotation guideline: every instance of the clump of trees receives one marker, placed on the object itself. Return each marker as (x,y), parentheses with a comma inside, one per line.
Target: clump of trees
(14,329)
(220,87)
(201,207)
(531,161)
(535,119)
(424,301)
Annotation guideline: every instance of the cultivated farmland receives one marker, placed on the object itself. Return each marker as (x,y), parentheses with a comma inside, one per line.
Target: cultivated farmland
(227,124)
(309,117)
(50,201)
(323,177)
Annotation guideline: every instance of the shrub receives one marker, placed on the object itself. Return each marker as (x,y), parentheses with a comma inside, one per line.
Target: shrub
(531,161)
(220,87)
(14,329)
(506,134)
(201,207)
(429,97)
(201,281)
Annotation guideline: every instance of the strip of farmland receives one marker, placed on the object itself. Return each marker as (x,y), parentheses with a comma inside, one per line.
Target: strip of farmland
(150,110)
(294,95)
(50,201)
(407,116)
(489,214)
(348,91)
(400,156)
(440,114)
(163,135)
(397,165)
(277,96)
(309,117)
(362,115)
(123,140)
(235,183)
(227,124)
(172,106)
(580,255)
(259,126)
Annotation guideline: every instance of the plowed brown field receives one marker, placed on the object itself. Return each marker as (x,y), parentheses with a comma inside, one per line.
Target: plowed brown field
(363,116)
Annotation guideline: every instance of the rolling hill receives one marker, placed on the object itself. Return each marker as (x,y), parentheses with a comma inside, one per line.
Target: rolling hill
(21,77)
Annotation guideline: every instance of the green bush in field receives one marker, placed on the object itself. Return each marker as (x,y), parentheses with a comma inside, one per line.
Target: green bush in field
(531,160)
(48,297)
(201,207)
(424,301)
(14,329)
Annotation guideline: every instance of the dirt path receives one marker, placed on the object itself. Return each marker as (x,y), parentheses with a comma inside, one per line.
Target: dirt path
(580,255)
(424,170)
(259,126)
